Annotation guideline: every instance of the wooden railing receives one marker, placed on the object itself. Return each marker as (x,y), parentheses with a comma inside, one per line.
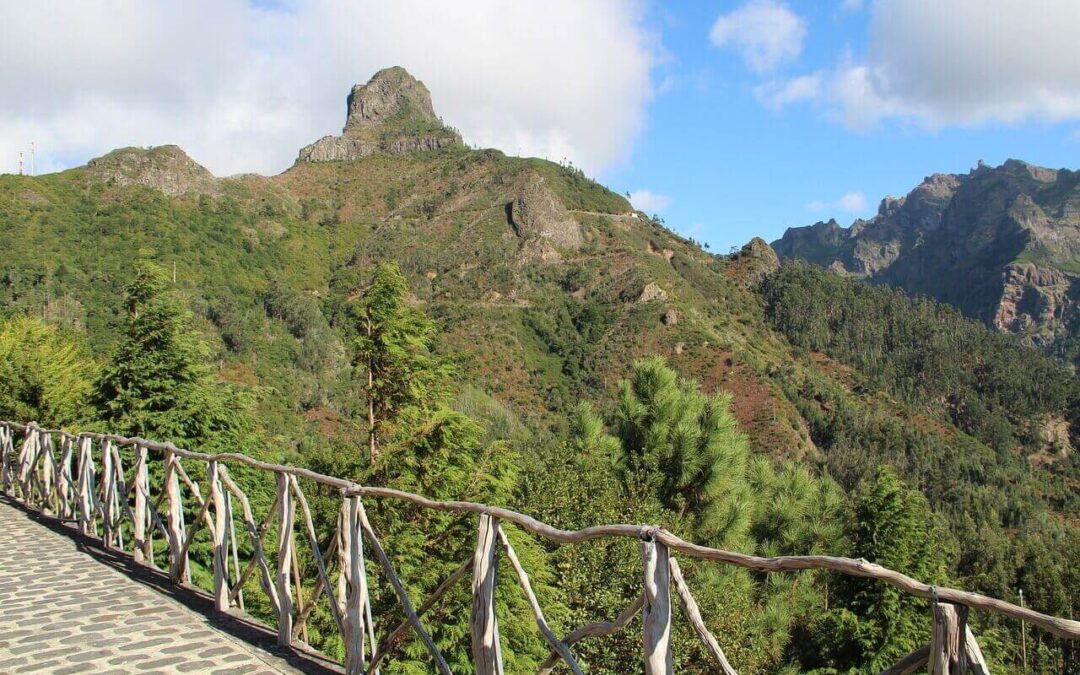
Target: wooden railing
(80,478)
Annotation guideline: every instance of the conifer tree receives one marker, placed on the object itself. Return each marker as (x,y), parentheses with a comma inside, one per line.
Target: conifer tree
(685,445)
(875,624)
(394,348)
(157,384)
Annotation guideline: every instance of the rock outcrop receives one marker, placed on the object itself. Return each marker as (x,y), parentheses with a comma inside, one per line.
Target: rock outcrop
(390,114)
(1000,243)
(537,214)
(166,168)
(754,261)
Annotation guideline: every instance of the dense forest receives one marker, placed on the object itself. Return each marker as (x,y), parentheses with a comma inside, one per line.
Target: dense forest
(1006,487)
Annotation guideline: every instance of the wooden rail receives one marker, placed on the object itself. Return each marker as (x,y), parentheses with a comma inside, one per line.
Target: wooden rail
(68,485)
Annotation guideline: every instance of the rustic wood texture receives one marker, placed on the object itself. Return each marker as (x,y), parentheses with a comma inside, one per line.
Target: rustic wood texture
(483,624)
(403,595)
(694,614)
(555,643)
(595,629)
(656,613)
(911,663)
(286,514)
(395,637)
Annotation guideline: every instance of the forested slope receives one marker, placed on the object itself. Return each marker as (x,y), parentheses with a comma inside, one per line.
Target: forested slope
(803,413)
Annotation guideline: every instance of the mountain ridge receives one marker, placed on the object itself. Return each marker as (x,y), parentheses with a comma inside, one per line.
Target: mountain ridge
(1000,243)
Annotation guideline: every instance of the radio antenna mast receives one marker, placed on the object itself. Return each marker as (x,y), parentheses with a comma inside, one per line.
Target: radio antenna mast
(20,163)
(33,160)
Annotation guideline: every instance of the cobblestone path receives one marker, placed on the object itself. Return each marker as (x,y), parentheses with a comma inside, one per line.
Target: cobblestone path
(67,607)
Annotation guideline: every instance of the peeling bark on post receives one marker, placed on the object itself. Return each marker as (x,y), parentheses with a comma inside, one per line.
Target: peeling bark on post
(174,519)
(486,650)
(141,483)
(221,542)
(947,655)
(656,614)
(286,511)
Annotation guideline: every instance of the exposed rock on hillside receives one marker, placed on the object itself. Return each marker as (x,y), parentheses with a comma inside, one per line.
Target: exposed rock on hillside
(755,261)
(651,292)
(166,168)
(392,114)
(537,213)
(1000,243)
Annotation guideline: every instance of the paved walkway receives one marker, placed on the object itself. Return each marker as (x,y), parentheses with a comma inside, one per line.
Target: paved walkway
(67,606)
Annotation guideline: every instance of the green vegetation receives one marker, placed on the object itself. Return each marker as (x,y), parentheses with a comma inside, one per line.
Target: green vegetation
(536,384)
(156,384)
(45,374)
(1006,490)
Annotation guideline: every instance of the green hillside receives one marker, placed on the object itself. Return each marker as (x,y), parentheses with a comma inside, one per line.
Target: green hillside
(545,289)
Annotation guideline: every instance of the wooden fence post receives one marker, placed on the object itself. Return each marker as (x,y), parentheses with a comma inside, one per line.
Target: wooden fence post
(4,430)
(953,650)
(64,479)
(286,513)
(174,519)
(351,555)
(141,486)
(86,487)
(221,543)
(486,650)
(107,486)
(656,614)
(46,478)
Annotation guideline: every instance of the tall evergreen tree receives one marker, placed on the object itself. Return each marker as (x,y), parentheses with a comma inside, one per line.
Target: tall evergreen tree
(157,384)
(685,445)
(394,347)
(874,624)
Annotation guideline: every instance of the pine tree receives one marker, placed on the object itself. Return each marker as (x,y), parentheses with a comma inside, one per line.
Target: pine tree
(157,384)
(686,446)
(393,347)
(874,624)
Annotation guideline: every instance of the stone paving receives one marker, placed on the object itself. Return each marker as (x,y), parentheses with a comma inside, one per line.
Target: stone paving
(68,607)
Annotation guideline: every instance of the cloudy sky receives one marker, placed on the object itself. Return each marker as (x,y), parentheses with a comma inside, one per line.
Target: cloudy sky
(729,119)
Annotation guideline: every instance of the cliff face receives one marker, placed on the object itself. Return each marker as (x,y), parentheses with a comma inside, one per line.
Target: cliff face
(391,114)
(1000,243)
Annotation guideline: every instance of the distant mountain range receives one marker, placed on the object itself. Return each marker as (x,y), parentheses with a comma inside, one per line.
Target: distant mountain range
(1000,243)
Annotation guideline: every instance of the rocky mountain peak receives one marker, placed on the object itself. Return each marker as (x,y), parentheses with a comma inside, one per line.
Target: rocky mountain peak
(391,114)
(391,96)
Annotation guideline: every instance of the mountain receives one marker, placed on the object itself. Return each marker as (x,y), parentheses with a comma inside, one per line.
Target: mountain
(547,287)
(1000,243)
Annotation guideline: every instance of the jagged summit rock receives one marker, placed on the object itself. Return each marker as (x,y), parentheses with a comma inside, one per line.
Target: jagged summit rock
(391,96)
(166,168)
(390,114)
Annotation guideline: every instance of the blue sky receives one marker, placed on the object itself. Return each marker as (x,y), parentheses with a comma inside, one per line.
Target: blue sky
(729,168)
(729,118)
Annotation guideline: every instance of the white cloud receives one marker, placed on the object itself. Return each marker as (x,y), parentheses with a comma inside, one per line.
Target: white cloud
(242,88)
(765,33)
(648,201)
(851,6)
(775,94)
(853,203)
(964,62)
